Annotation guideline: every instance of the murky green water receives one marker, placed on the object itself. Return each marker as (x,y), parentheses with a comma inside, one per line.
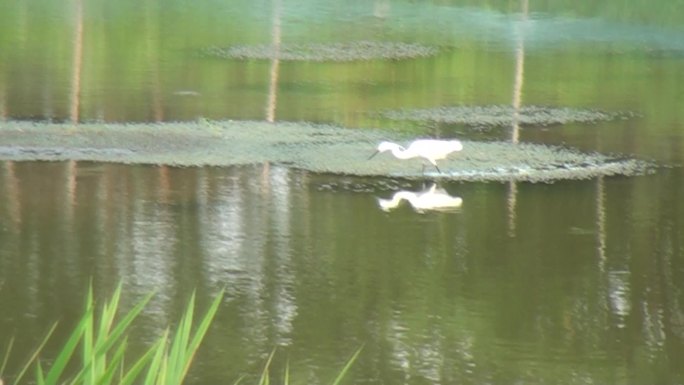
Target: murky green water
(573,282)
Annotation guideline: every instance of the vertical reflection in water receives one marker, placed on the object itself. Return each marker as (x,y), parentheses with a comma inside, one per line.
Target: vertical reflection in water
(3,97)
(235,252)
(271,104)
(10,208)
(519,70)
(618,285)
(425,346)
(285,304)
(417,356)
(11,191)
(246,237)
(619,295)
(511,204)
(517,101)
(152,44)
(601,224)
(77,63)
(70,187)
(102,232)
(164,193)
(153,232)
(69,236)
(48,108)
(3,92)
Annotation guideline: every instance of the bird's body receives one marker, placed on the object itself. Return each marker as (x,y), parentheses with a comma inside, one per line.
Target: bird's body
(430,199)
(430,149)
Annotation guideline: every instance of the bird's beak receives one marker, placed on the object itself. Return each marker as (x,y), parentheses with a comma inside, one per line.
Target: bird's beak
(373,154)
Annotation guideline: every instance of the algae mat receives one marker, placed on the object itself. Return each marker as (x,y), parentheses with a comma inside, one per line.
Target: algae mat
(333,52)
(317,148)
(505,115)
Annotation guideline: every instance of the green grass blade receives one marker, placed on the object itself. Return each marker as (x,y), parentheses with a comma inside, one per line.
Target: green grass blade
(201,331)
(113,366)
(109,310)
(123,325)
(103,346)
(87,345)
(179,343)
(33,357)
(6,357)
(206,321)
(153,371)
(132,373)
(102,342)
(264,379)
(95,364)
(40,377)
(162,374)
(239,380)
(57,369)
(348,365)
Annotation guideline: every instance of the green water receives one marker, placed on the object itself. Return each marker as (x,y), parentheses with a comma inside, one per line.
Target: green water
(573,282)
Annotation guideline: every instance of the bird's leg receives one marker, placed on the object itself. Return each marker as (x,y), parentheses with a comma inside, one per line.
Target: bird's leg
(438,170)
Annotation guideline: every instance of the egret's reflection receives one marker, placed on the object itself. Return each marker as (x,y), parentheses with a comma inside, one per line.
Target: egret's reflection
(432,198)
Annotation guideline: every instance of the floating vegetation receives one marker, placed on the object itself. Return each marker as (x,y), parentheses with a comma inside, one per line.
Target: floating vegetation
(316,148)
(504,116)
(319,52)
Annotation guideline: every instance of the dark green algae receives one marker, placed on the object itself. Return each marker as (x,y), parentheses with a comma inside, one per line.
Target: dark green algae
(316,148)
(505,115)
(320,52)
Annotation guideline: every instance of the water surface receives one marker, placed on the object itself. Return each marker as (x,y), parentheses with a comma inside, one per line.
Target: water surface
(572,282)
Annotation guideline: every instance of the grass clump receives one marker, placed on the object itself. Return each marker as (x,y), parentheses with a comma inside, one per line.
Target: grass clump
(95,351)
(266,379)
(98,344)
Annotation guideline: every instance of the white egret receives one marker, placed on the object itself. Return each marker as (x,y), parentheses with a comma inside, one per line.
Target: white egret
(430,149)
(429,199)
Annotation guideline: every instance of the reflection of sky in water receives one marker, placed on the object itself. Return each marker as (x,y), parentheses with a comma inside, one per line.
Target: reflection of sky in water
(151,266)
(237,231)
(453,26)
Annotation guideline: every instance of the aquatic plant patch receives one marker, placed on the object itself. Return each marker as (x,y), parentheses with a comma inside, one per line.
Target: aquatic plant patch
(504,115)
(320,52)
(316,148)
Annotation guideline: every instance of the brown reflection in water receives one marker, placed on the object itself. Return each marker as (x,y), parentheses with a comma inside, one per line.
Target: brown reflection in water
(3,101)
(271,103)
(152,42)
(10,182)
(77,64)
(70,187)
(519,73)
(517,102)
(164,192)
(601,223)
